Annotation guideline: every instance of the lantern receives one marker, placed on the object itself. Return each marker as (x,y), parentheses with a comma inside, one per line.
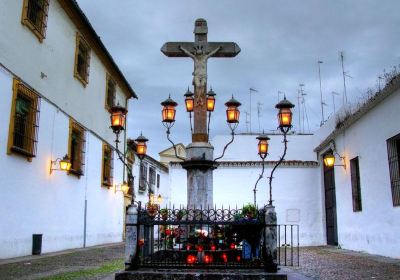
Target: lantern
(141,147)
(263,145)
(232,111)
(329,159)
(211,101)
(168,111)
(284,114)
(65,163)
(118,116)
(189,100)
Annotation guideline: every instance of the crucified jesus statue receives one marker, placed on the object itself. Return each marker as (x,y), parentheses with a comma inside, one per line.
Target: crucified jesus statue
(200,64)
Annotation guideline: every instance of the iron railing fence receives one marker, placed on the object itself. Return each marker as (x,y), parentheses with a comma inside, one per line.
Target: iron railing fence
(288,253)
(205,238)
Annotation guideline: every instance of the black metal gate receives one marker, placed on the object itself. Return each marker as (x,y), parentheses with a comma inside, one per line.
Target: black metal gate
(210,238)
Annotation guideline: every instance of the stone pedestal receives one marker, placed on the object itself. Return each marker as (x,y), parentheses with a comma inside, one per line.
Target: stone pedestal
(131,240)
(199,165)
(271,239)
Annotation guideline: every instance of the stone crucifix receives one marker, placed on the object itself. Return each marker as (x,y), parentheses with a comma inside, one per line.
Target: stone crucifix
(200,50)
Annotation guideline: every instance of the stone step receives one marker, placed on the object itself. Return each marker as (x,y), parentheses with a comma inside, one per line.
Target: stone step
(186,274)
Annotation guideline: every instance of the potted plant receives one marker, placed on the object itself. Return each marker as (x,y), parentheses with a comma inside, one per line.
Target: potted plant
(164,214)
(249,211)
(179,214)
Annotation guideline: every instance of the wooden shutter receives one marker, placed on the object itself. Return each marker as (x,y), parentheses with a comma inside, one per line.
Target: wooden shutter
(355,184)
(393,146)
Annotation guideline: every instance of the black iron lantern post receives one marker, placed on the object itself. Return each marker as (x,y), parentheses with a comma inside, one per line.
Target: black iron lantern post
(210,102)
(263,146)
(189,103)
(232,118)
(169,113)
(285,124)
(118,121)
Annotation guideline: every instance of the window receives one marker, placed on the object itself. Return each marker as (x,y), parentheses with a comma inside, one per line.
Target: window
(76,148)
(34,16)
(158,181)
(355,184)
(82,60)
(152,176)
(393,146)
(110,92)
(108,165)
(24,121)
(142,177)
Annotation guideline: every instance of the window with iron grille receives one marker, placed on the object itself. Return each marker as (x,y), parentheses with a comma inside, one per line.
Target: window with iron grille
(76,149)
(355,184)
(110,92)
(24,122)
(158,181)
(34,16)
(82,60)
(108,165)
(393,147)
(152,175)
(142,177)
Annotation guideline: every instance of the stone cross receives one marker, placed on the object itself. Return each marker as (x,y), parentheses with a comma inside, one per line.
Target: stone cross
(200,50)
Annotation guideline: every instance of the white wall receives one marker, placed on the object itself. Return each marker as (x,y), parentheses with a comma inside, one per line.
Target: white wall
(296,190)
(23,54)
(35,202)
(376,228)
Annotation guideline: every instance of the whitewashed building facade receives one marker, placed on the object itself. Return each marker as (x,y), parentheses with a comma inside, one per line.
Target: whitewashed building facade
(357,207)
(57,81)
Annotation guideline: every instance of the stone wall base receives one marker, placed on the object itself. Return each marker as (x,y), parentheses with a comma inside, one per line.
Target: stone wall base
(186,274)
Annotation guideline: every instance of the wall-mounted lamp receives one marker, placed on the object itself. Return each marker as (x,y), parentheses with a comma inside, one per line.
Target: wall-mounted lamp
(329,160)
(124,188)
(64,164)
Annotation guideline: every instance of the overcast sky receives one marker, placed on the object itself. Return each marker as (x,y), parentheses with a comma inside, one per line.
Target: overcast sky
(281,42)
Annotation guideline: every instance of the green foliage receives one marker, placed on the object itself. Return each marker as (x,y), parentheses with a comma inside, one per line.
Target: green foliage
(106,268)
(249,210)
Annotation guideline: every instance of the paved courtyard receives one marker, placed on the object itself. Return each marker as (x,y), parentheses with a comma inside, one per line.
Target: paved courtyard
(325,263)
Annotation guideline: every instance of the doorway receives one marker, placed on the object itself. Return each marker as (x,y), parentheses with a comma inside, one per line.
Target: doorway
(330,206)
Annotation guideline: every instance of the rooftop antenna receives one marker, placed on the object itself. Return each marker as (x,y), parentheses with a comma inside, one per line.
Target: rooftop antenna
(250,91)
(247,121)
(305,115)
(320,91)
(299,97)
(333,100)
(344,79)
(259,106)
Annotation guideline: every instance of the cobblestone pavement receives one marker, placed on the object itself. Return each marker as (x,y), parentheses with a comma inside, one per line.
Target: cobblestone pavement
(66,265)
(330,263)
(325,263)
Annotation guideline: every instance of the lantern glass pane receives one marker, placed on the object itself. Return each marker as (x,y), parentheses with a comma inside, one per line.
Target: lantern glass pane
(210,104)
(285,117)
(232,114)
(263,147)
(168,114)
(329,160)
(189,104)
(65,165)
(141,148)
